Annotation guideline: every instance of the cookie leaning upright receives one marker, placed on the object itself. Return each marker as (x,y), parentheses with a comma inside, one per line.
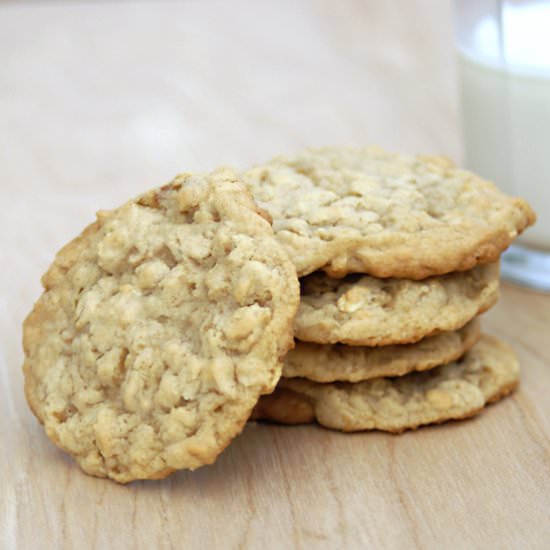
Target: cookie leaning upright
(346,210)
(159,328)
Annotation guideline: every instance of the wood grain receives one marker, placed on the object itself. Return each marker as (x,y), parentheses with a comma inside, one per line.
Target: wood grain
(101,100)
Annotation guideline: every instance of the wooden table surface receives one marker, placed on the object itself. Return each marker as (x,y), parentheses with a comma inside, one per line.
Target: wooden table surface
(101,100)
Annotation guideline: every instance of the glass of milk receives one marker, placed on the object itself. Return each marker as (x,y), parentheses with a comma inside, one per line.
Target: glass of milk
(504,70)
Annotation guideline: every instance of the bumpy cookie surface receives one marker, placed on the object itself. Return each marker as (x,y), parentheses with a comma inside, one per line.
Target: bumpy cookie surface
(158,329)
(364,210)
(339,362)
(457,390)
(364,310)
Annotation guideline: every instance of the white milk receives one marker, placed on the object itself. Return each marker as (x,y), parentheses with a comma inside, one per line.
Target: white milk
(505,88)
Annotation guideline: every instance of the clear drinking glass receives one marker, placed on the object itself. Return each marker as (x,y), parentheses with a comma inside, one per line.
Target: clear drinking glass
(504,72)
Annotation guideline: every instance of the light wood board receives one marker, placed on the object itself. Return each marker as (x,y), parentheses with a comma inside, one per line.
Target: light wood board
(101,100)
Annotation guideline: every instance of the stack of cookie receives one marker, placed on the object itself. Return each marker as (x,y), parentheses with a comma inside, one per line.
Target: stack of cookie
(404,254)
(168,322)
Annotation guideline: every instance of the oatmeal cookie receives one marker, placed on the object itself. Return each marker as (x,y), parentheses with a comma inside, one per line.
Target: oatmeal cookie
(159,328)
(332,363)
(363,310)
(364,210)
(461,389)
